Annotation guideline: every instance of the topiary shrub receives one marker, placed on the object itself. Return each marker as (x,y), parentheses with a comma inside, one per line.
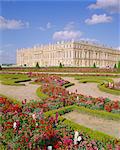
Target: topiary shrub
(94,65)
(115,66)
(37,65)
(60,65)
(0,67)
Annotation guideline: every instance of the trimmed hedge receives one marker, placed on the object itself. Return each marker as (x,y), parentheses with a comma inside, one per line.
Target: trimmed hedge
(68,85)
(107,90)
(41,94)
(81,109)
(101,85)
(24,80)
(93,134)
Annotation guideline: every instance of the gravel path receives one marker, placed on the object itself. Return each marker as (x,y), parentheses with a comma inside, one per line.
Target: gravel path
(20,92)
(90,89)
(109,127)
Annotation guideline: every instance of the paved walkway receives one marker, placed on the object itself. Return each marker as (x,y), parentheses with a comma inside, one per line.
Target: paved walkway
(90,89)
(70,73)
(20,92)
(109,127)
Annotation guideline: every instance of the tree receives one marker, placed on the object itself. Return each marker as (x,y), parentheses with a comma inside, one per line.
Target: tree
(0,67)
(115,66)
(37,65)
(118,64)
(94,65)
(60,65)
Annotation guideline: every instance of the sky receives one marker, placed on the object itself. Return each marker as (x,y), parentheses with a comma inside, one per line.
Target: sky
(25,23)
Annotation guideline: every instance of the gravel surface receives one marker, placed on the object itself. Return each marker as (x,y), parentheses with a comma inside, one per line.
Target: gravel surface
(20,92)
(90,89)
(109,127)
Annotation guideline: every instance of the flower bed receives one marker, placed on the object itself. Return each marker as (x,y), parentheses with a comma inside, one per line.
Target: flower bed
(26,127)
(58,96)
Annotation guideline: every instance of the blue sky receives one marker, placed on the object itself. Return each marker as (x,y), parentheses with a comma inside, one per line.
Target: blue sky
(29,23)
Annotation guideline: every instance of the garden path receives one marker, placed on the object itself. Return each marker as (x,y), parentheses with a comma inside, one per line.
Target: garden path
(89,89)
(109,127)
(20,92)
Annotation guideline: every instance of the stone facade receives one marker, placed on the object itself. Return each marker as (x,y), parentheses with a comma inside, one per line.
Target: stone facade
(77,54)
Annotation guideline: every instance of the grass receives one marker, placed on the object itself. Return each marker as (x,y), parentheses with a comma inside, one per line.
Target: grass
(101,83)
(107,90)
(14,79)
(81,109)
(40,94)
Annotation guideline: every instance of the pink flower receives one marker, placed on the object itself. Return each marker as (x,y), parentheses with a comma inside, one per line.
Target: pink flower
(34,116)
(24,101)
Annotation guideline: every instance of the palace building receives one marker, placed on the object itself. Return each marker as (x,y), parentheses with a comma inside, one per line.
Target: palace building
(71,54)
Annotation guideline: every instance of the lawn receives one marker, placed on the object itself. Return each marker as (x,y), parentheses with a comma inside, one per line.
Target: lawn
(14,79)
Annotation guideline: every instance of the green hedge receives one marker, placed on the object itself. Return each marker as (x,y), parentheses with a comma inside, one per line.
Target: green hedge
(107,90)
(81,109)
(93,134)
(101,81)
(24,80)
(13,79)
(40,94)
(68,85)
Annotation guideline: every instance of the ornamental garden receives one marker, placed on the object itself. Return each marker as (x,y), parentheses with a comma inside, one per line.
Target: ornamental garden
(59,119)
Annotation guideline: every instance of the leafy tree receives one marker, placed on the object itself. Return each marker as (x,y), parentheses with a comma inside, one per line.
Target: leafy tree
(60,65)
(115,66)
(37,65)
(94,65)
(118,64)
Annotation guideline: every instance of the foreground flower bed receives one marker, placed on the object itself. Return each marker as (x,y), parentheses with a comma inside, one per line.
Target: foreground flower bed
(25,127)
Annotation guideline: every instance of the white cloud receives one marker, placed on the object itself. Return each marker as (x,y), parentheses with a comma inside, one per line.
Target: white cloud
(95,19)
(47,26)
(12,24)
(66,35)
(113,6)
(70,26)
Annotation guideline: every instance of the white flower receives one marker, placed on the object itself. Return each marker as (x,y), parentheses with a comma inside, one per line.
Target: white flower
(79,138)
(14,125)
(49,147)
(36,124)
(75,137)
(76,134)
